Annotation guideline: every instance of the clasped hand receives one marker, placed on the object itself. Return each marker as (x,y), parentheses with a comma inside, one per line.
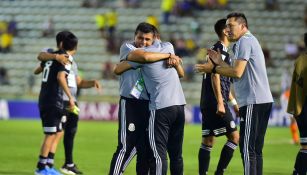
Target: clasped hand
(214,58)
(173,61)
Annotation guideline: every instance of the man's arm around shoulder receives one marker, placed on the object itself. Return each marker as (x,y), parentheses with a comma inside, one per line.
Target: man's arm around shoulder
(141,56)
(121,67)
(61,58)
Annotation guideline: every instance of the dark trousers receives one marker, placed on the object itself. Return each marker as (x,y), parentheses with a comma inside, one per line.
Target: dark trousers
(253,125)
(70,128)
(300,166)
(133,118)
(166,129)
(301,120)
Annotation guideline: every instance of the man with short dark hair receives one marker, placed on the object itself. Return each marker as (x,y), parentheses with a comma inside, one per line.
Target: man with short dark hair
(51,104)
(133,113)
(70,125)
(217,119)
(166,121)
(251,87)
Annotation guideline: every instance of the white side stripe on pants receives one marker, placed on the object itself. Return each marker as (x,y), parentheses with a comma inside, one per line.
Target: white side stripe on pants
(153,144)
(122,152)
(132,154)
(248,120)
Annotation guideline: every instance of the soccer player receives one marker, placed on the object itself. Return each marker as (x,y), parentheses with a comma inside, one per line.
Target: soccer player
(166,122)
(217,119)
(297,106)
(133,115)
(251,87)
(71,124)
(51,105)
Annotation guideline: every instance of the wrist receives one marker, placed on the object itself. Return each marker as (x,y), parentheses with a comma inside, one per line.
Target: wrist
(220,103)
(233,102)
(170,55)
(214,69)
(56,57)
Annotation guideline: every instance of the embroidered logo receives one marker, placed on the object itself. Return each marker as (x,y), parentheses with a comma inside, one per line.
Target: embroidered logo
(131,127)
(232,124)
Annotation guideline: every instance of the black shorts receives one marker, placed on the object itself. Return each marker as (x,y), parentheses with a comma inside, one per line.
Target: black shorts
(216,125)
(51,119)
(302,124)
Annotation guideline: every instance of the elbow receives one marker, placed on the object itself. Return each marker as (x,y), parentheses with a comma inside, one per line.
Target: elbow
(146,58)
(79,81)
(238,74)
(116,71)
(181,75)
(39,56)
(80,85)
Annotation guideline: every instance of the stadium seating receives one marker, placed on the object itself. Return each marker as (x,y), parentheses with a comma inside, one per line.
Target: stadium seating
(271,28)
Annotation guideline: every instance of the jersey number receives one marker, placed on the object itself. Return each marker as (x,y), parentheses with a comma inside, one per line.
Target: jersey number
(46,71)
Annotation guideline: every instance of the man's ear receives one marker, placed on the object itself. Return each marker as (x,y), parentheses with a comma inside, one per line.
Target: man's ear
(157,36)
(61,45)
(225,32)
(243,26)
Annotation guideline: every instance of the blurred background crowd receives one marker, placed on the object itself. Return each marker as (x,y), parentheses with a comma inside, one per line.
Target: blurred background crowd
(28,26)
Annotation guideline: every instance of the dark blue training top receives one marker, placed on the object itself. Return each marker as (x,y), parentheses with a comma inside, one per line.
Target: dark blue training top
(207,93)
(51,93)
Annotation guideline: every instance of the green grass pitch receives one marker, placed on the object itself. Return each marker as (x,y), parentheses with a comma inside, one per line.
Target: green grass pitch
(96,141)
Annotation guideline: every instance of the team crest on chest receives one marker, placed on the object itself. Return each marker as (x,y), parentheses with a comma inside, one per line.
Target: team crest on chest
(232,124)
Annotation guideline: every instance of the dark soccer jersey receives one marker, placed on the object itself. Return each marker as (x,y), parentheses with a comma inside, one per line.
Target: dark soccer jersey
(51,93)
(207,93)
